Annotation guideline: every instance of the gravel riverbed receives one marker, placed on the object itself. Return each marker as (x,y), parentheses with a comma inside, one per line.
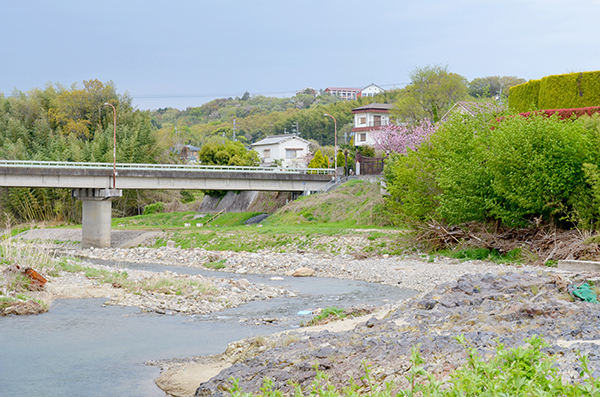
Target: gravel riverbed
(416,273)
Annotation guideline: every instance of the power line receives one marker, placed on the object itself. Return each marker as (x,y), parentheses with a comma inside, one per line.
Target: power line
(226,95)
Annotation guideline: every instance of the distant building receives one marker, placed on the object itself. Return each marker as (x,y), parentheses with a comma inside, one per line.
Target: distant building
(309,91)
(188,153)
(344,93)
(371,90)
(289,150)
(473,108)
(368,118)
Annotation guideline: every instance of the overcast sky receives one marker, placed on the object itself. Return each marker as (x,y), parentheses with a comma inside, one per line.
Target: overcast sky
(184,53)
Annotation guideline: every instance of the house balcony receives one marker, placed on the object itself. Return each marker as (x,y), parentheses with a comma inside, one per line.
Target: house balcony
(371,124)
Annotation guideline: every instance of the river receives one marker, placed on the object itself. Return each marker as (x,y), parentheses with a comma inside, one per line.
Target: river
(80,348)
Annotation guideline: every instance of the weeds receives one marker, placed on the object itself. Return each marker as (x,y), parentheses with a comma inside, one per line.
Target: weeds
(220,264)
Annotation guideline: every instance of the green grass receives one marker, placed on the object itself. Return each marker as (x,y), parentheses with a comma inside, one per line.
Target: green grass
(326,313)
(220,264)
(156,221)
(177,220)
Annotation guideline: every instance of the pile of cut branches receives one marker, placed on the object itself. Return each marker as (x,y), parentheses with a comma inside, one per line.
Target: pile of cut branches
(545,242)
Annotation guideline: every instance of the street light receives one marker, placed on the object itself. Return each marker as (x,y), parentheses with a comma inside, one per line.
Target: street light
(114,144)
(335,141)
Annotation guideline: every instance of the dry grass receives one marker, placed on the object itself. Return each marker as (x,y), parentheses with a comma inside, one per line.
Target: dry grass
(18,294)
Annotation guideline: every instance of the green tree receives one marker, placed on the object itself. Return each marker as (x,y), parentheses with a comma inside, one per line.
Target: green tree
(319,161)
(217,152)
(490,86)
(432,91)
(70,124)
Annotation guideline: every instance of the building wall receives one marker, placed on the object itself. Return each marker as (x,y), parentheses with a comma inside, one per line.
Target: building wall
(368,119)
(278,151)
(364,122)
(371,91)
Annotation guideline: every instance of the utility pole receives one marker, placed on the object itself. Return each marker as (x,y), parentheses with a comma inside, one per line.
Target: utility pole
(234,130)
(297,128)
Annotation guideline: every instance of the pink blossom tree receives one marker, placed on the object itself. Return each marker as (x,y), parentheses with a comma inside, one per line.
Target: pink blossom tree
(398,138)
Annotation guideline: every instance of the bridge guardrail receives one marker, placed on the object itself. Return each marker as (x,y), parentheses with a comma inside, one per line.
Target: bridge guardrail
(165,167)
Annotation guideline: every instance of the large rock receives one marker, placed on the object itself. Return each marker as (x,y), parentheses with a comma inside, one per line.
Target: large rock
(303,272)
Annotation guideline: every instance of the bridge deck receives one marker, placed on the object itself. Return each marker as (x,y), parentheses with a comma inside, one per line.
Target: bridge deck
(159,176)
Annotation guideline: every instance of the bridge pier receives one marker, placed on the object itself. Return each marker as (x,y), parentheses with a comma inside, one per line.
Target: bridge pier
(96,205)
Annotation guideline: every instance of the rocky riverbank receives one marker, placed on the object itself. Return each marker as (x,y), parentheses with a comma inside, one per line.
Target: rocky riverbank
(486,308)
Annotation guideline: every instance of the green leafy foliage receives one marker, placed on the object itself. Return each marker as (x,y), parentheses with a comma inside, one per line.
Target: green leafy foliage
(154,208)
(525,97)
(484,254)
(479,169)
(490,86)
(432,91)
(319,161)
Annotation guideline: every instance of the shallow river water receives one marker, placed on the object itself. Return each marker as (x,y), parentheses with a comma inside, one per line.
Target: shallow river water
(80,348)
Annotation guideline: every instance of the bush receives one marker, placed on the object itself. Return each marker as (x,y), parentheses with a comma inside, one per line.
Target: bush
(564,114)
(154,208)
(479,169)
(187,196)
(535,166)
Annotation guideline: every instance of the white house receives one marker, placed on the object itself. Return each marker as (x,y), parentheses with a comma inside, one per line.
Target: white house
(371,90)
(368,118)
(289,149)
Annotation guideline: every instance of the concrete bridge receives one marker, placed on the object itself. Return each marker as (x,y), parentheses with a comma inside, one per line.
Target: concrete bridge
(97,184)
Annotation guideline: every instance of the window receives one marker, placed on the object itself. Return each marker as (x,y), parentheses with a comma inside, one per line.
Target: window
(363,137)
(362,120)
(290,153)
(267,153)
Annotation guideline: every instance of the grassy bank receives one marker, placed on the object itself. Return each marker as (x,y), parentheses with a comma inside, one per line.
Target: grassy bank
(353,214)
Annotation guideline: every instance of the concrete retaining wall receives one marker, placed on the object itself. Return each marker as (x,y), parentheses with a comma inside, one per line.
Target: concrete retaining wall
(231,202)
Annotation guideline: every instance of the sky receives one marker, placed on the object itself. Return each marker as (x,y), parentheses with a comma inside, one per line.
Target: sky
(183,53)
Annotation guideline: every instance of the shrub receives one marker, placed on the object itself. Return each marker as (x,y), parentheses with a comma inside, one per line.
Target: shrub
(154,208)
(319,161)
(564,114)
(187,196)
(536,165)
(479,169)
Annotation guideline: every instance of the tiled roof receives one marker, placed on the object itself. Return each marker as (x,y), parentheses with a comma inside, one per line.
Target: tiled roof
(374,106)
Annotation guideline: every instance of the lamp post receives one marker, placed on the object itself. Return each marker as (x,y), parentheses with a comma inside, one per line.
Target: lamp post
(335,142)
(114,144)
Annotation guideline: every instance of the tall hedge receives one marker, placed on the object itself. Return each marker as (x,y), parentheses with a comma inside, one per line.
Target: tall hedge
(565,91)
(524,97)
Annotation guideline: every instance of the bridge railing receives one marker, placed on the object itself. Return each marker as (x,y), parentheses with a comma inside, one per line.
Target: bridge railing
(164,167)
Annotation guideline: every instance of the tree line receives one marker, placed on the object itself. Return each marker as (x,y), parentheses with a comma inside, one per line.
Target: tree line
(432,91)
(60,123)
